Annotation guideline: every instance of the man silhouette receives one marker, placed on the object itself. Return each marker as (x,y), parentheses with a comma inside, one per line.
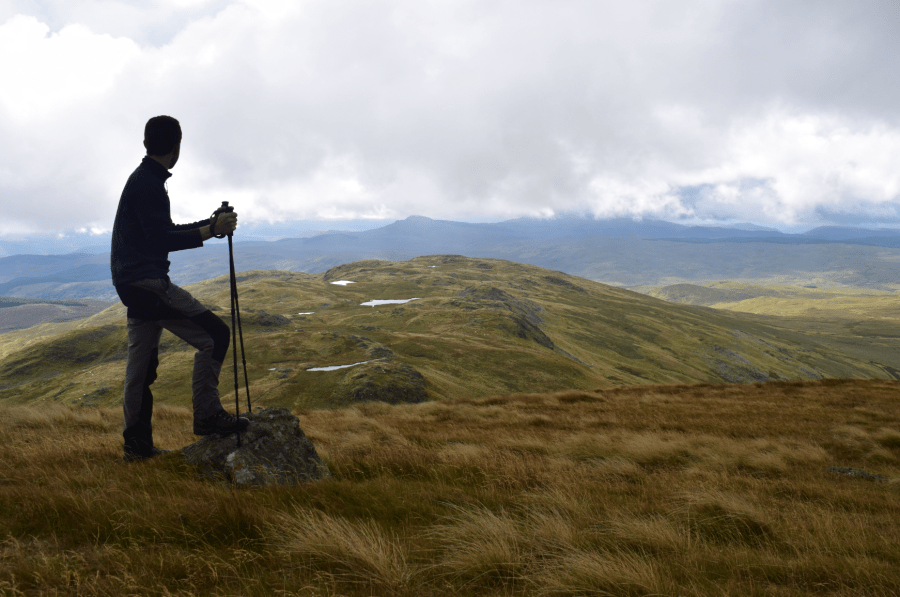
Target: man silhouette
(143,235)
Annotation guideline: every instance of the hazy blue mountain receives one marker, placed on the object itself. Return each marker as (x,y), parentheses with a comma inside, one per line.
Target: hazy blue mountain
(38,266)
(849,233)
(621,251)
(72,241)
(52,245)
(751,227)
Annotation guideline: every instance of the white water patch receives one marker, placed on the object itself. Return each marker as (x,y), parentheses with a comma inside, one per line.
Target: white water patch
(333,367)
(343,282)
(374,302)
(308,313)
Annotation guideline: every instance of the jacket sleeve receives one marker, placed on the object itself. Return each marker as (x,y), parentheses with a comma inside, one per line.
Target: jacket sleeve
(192,225)
(156,221)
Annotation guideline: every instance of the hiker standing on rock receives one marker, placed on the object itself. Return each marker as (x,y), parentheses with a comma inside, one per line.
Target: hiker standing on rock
(143,235)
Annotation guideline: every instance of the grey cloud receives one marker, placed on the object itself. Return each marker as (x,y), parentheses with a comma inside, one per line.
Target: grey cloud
(151,24)
(495,108)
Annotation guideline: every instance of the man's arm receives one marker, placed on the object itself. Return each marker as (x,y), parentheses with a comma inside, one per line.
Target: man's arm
(151,206)
(226,223)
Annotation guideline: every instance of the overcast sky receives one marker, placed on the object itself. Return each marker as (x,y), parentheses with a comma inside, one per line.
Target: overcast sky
(768,111)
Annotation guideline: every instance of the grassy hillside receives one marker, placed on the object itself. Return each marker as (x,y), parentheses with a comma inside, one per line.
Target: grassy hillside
(844,302)
(703,490)
(17,313)
(476,328)
(861,322)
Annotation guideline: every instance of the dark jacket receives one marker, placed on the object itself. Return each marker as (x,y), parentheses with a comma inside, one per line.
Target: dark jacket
(143,233)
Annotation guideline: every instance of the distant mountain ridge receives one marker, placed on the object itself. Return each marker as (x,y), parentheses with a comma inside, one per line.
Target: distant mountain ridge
(68,242)
(618,251)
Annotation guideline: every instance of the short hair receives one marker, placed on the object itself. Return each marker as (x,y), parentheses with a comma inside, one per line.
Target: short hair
(161,134)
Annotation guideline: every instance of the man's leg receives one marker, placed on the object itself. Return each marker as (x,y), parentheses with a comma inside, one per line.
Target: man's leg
(140,373)
(210,336)
(202,329)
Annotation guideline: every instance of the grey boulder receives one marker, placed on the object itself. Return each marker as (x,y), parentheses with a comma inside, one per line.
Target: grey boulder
(274,451)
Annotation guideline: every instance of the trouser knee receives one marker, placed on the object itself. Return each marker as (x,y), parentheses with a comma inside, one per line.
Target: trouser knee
(218,330)
(221,335)
(152,365)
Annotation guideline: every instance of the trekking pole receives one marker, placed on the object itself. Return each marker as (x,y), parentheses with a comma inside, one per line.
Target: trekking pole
(235,313)
(237,309)
(237,402)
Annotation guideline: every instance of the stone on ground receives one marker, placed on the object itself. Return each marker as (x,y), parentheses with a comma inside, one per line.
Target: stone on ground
(274,451)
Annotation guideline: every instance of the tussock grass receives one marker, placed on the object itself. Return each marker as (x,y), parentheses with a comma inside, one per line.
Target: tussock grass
(600,574)
(722,518)
(357,552)
(657,490)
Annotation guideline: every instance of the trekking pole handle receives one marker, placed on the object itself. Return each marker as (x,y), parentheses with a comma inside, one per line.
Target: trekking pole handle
(225,208)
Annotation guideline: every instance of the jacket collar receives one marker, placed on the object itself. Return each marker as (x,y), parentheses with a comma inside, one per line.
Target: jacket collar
(156,168)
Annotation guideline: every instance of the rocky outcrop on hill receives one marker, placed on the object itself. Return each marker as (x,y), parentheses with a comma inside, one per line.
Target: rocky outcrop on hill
(274,451)
(557,281)
(736,369)
(268,320)
(494,297)
(385,380)
(521,313)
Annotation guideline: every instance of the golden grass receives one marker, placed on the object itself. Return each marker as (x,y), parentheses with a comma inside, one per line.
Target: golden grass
(656,490)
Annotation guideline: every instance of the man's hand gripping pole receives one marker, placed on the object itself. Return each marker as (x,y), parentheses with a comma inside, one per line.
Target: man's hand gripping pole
(225,208)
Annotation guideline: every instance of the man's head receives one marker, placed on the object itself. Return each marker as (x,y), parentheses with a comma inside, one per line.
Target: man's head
(162,138)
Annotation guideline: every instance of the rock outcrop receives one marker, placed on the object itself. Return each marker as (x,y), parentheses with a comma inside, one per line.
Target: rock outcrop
(268,320)
(522,314)
(852,472)
(481,296)
(383,380)
(274,451)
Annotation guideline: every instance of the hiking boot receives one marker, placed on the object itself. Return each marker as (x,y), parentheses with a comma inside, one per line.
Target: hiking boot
(139,443)
(223,423)
(138,456)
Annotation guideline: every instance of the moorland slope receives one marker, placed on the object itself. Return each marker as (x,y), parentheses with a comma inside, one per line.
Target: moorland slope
(861,321)
(476,327)
(785,488)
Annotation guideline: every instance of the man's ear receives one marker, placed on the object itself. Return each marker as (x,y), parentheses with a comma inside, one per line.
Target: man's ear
(145,145)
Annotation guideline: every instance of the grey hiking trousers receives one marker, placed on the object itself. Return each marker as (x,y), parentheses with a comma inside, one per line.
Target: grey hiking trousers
(193,323)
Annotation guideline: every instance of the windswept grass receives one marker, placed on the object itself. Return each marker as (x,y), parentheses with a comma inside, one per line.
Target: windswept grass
(654,490)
